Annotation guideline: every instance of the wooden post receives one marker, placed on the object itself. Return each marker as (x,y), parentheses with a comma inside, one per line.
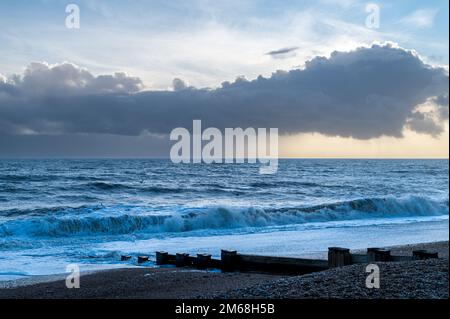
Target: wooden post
(203,261)
(378,254)
(229,260)
(182,259)
(125,257)
(338,257)
(424,254)
(142,259)
(161,257)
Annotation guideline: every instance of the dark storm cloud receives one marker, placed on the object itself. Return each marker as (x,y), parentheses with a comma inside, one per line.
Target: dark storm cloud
(366,93)
(424,123)
(83,145)
(442,103)
(40,80)
(179,85)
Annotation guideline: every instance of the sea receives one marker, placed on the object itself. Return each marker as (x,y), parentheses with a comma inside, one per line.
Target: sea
(89,212)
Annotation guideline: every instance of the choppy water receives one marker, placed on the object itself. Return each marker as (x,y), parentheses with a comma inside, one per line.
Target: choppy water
(53,212)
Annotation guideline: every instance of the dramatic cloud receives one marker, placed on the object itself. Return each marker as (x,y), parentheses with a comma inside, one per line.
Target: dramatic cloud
(442,104)
(41,79)
(424,123)
(365,93)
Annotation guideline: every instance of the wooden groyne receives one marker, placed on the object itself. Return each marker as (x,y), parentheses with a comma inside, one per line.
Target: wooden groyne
(338,257)
(233,261)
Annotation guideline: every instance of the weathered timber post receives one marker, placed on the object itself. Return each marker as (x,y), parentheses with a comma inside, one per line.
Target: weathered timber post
(378,254)
(142,259)
(424,254)
(161,257)
(229,260)
(338,257)
(203,261)
(181,259)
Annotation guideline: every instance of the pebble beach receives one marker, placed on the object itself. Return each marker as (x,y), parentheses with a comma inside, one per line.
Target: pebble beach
(398,280)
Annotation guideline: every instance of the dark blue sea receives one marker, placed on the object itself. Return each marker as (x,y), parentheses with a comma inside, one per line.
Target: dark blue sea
(59,211)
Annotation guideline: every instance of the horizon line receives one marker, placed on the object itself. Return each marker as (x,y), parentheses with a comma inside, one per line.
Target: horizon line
(168,158)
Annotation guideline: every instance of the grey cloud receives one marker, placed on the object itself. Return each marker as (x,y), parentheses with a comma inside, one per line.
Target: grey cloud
(66,78)
(424,123)
(179,85)
(283,53)
(442,105)
(82,145)
(366,93)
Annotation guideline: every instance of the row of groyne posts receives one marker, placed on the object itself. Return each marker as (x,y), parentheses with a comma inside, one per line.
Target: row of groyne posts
(233,261)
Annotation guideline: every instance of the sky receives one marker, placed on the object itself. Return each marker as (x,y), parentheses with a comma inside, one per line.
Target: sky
(333,85)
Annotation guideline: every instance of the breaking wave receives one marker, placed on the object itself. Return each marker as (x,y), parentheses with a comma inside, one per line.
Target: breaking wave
(93,223)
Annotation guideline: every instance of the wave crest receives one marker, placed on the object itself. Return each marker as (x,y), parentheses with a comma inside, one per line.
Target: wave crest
(220,218)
